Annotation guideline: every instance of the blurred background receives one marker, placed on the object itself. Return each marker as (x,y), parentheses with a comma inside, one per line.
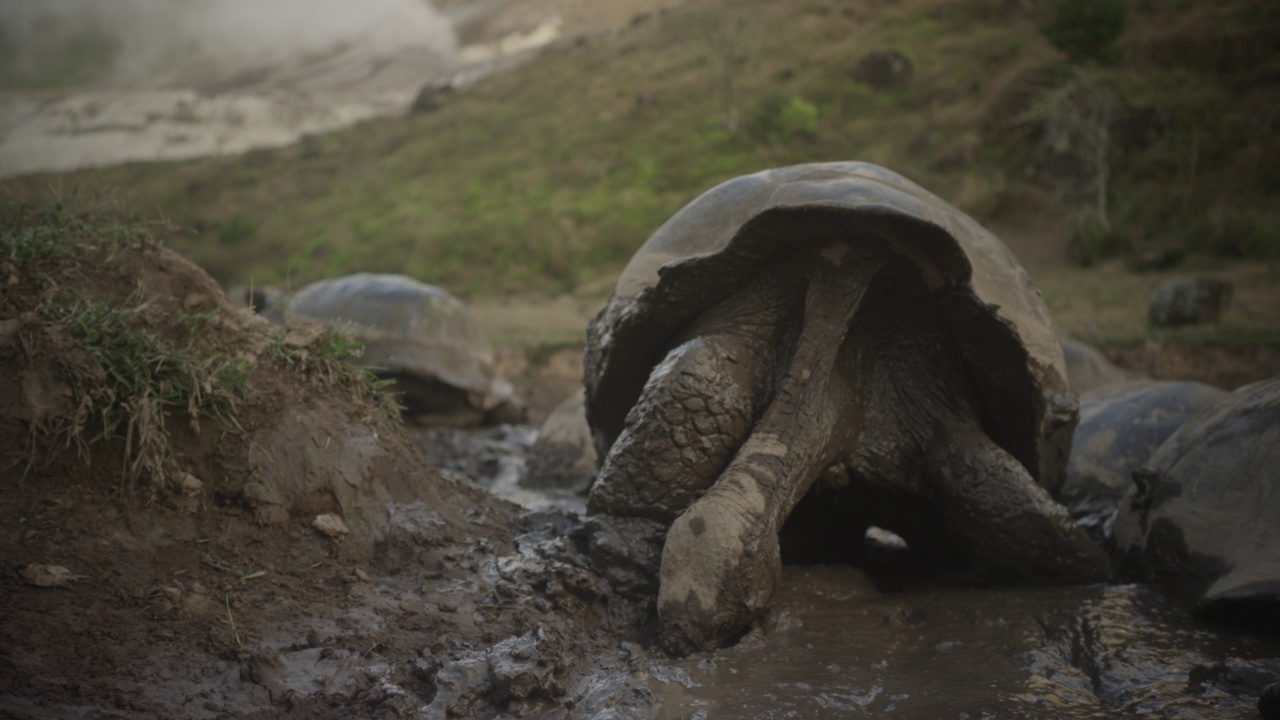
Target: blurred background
(517,152)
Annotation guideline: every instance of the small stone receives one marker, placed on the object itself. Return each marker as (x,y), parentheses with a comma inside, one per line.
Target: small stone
(1187,300)
(885,540)
(1154,259)
(48,575)
(361,575)
(883,69)
(300,335)
(331,525)
(898,617)
(432,97)
(191,485)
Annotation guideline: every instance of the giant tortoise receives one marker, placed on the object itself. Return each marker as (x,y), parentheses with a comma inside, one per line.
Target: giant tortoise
(822,315)
(1088,369)
(1121,425)
(418,335)
(1203,515)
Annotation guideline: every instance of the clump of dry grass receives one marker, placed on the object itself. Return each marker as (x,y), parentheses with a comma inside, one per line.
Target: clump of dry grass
(328,355)
(110,370)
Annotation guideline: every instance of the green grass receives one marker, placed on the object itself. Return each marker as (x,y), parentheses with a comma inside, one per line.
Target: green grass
(329,355)
(549,177)
(127,363)
(32,237)
(125,381)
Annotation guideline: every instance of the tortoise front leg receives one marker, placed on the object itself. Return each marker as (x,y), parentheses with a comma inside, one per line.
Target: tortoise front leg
(696,409)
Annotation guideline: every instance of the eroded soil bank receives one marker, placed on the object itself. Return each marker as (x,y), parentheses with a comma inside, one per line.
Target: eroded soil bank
(208,516)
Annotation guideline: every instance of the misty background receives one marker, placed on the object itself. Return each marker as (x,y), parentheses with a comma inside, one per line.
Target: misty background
(167,43)
(85,83)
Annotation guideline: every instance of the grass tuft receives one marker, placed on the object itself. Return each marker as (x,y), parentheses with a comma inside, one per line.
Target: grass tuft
(328,354)
(125,381)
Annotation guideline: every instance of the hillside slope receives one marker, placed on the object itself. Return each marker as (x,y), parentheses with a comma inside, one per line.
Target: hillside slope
(546,179)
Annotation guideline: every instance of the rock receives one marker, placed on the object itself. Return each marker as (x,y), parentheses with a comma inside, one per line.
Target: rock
(432,96)
(521,667)
(626,551)
(1088,369)
(1187,300)
(883,69)
(885,541)
(330,525)
(563,455)
(461,687)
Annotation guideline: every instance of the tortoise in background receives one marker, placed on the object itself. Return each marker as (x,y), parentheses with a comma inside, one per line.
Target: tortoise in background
(1121,425)
(1203,515)
(418,335)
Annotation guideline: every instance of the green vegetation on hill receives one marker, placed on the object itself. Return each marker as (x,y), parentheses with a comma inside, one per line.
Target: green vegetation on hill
(549,176)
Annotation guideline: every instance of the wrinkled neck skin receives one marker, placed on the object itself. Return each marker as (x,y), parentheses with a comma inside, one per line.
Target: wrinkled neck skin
(840,356)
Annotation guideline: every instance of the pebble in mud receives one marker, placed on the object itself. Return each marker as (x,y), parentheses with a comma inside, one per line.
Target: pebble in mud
(523,667)
(510,673)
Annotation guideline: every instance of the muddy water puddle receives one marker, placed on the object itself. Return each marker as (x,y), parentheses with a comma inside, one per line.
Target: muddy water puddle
(834,647)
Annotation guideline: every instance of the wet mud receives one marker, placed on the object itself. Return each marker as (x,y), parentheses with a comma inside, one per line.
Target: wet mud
(834,646)
(841,642)
(176,623)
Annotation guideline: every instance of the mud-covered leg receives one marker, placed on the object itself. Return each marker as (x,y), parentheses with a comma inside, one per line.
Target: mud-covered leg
(1012,529)
(695,410)
(720,563)
(693,413)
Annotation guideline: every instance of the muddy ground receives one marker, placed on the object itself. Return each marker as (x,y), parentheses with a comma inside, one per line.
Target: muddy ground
(204,582)
(200,580)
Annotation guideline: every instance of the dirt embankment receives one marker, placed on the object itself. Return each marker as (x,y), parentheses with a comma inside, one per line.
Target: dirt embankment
(241,529)
(1224,366)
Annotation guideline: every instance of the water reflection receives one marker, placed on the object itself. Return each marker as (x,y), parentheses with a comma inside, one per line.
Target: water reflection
(835,647)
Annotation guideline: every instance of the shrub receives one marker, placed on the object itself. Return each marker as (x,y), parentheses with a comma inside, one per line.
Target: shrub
(776,118)
(1085,29)
(237,230)
(1094,240)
